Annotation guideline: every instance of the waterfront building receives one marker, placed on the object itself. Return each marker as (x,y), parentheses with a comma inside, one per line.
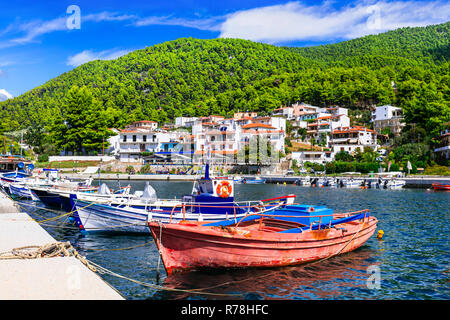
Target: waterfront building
(141,138)
(320,157)
(353,138)
(220,139)
(216,140)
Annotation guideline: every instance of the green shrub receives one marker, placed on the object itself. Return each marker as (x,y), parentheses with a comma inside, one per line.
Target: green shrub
(437,170)
(43,158)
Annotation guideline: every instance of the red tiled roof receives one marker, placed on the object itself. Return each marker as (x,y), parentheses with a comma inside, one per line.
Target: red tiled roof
(324,117)
(353,129)
(257,125)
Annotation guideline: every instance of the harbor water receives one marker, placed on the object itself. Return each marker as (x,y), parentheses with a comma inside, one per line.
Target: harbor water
(410,262)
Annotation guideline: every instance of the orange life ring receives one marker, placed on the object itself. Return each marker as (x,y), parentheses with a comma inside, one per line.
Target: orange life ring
(224,189)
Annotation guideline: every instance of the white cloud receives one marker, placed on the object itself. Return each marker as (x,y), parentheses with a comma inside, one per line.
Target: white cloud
(31,30)
(107,16)
(5,95)
(34,29)
(295,22)
(89,55)
(209,24)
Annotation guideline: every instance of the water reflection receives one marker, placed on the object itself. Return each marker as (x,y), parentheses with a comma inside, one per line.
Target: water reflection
(328,279)
(413,256)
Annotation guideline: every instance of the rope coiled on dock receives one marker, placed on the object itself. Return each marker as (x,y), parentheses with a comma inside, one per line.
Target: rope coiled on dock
(49,250)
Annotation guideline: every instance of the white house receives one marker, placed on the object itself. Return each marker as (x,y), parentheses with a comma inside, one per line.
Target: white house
(185,121)
(320,157)
(287,112)
(388,117)
(443,151)
(354,138)
(221,139)
(144,124)
(114,143)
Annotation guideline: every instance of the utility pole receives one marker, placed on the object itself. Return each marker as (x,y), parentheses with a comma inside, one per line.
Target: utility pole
(21,142)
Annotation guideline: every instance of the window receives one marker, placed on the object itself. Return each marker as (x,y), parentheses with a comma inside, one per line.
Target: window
(134,138)
(125,138)
(144,138)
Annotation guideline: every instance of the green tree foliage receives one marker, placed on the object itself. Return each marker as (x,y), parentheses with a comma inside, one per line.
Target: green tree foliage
(343,156)
(83,126)
(407,67)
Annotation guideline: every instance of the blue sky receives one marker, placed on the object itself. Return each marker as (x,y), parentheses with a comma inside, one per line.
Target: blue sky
(36,45)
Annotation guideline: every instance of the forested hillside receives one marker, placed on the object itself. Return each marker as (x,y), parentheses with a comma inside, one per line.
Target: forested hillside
(407,67)
(430,44)
(160,82)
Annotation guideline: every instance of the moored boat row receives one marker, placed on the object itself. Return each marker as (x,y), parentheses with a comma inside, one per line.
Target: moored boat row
(208,228)
(350,182)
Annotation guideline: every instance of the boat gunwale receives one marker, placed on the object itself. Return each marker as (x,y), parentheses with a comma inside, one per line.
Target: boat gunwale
(239,236)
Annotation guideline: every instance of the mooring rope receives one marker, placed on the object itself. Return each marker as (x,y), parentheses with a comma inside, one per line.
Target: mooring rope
(159,287)
(49,250)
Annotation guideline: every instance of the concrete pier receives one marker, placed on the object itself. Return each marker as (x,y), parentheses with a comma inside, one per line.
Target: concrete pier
(56,278)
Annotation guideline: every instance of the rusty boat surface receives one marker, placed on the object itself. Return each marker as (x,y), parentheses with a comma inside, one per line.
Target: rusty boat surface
(289,236)
(440,186)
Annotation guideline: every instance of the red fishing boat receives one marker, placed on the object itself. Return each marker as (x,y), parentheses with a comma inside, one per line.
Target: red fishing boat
(440,186)
(260,240)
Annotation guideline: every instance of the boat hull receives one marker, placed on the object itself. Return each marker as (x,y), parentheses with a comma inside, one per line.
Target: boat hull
(48,198)
(102,217)
(22,192)
(186,247)
(437,186)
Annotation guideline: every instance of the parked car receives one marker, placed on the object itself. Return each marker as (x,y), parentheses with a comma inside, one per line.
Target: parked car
(290,172)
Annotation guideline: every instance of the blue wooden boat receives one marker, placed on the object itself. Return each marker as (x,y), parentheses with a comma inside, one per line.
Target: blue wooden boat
(211,199)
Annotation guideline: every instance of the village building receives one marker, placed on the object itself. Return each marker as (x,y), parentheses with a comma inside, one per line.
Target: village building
(142,137)
(319,157)
(388,117)
(352,139)
(186,122)
(443,151)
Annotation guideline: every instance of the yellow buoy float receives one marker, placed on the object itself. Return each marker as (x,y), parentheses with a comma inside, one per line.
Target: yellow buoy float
(380,234)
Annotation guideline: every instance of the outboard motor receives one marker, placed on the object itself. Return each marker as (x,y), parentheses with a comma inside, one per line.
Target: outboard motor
(149,193)
(104,189)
